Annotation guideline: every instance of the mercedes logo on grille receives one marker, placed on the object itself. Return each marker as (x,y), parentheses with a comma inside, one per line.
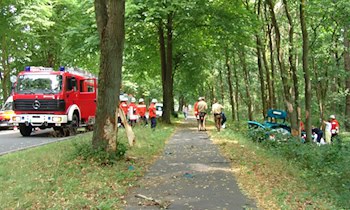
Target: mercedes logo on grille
(36,104)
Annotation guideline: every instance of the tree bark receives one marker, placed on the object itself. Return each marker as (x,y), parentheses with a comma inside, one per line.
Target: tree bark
(229,81)
(260,65)
(246,84)
(236,87)
(347,69)
(295,125)
(261,75)
(110,25)
(273,69)
(222,90)
(4,76)
(306,71)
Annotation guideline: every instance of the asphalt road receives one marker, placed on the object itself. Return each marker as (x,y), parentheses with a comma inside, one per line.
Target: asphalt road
(12,141)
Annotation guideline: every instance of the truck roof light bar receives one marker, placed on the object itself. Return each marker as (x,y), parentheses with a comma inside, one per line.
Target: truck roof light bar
(38,68)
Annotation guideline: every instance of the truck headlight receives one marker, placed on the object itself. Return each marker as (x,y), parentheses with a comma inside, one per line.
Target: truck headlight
(16,118)
(57,119)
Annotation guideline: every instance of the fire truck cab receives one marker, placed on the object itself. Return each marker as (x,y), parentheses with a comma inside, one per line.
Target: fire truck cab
(63,100)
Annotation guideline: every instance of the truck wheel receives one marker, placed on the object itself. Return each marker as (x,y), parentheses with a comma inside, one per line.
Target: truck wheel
(73,125)
(25,130)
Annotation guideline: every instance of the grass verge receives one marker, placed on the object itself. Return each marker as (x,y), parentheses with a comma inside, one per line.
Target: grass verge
(51,177)
(274,182)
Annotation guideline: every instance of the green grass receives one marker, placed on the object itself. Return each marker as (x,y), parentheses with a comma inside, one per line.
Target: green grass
(276,182)
(52,177)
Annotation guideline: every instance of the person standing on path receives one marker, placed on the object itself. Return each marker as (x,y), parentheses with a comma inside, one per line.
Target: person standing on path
(202,112)
(132,112)
(152,113)
(141,111)
(195,109)
(217,111)
(185,111)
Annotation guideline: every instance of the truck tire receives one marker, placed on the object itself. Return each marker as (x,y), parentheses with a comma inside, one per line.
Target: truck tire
(73,125)
(25,130)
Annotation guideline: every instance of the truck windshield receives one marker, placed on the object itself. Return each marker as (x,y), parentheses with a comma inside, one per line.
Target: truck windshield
(37,83)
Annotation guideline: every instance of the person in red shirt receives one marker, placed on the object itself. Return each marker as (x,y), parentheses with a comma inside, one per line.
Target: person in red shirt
(335,126)
(141,111)
(195,108)
(152,113)
(123,106)
(132,112)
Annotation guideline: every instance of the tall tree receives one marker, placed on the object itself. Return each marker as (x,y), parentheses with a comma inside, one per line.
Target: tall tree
(347,69)
(110,25)
(306,71)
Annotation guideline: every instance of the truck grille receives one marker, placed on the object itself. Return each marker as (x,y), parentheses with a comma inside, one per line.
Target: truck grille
(39,105)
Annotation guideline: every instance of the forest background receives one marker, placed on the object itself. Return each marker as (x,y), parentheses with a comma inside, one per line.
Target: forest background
(251,55)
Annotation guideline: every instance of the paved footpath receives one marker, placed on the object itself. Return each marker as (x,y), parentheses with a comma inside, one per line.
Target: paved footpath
(191,174)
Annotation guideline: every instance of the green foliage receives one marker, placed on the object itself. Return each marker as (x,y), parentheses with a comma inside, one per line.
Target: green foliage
(85,151)
(325,167)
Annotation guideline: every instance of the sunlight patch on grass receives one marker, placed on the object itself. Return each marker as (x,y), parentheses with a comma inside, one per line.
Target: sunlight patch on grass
(48,176)
(272,182)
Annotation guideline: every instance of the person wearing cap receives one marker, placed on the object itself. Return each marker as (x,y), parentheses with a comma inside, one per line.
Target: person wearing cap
(335,126)
(132,112)
(141,111)
(202,112)
(124,107)
(152,113)
(217,111)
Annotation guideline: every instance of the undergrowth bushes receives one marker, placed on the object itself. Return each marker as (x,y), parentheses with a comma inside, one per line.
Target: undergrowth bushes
(326,168)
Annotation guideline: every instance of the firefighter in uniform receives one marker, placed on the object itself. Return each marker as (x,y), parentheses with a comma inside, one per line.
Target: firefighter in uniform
(124,107)
(335,127)
(132,112)
(141,111)
(152,113)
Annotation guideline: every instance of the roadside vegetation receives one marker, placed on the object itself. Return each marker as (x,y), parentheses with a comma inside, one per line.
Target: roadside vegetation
(288,175)
(67,175)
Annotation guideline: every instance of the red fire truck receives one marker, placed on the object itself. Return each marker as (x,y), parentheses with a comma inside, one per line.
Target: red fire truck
(63,100)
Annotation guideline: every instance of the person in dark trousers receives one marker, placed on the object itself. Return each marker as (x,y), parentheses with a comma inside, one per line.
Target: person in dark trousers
(141,111)
(318,134)
(152,113)
(223,120)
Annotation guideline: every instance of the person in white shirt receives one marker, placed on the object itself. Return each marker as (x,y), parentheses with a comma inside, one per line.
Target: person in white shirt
(217,111)
(328,131)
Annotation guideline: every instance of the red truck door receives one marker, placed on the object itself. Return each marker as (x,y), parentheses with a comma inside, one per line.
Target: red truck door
(87,98)
(72,92)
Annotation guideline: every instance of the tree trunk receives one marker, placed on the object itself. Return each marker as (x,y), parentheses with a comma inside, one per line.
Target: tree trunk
(273,70)
(222,89)
(261,76)
(284,74)
(110,25)
(321,90)
(306,71)
(167,67)
(269,104)
(236,88)
(295,126)
(246,85)
(347,82)
(229,81)
(4,76)
(163,64)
